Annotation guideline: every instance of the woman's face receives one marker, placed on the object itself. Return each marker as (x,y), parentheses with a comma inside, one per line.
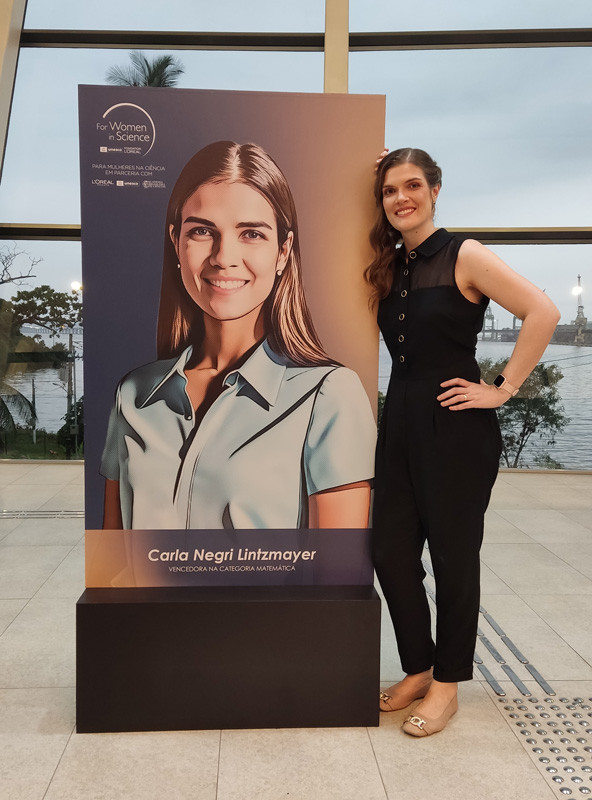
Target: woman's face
(407,199)
(228,249)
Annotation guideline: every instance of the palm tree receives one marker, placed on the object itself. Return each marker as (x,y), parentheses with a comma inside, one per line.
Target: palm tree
(14,408)
(160,71)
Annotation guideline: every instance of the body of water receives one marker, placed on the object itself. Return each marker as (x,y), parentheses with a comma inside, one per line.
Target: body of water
(51,385)
(572,449)
(573,446)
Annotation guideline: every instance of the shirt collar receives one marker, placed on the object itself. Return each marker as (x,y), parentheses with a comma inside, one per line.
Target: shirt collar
(263,371)
(433,243)
(429,246)
(176,369)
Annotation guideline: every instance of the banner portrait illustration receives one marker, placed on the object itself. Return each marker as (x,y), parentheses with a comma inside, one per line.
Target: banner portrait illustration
(244,338)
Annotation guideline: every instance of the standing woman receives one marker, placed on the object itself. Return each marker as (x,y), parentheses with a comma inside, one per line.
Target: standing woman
(439,441)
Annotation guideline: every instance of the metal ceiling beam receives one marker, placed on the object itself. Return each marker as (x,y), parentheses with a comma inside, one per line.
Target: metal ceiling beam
(171,40)
(403,40)
(39,232)
(526,235)
(455,40)
(72,233)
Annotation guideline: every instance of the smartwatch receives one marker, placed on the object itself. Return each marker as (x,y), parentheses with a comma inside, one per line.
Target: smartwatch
(501,382)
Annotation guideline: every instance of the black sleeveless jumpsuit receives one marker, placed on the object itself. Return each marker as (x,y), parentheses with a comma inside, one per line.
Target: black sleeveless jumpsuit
(434,467)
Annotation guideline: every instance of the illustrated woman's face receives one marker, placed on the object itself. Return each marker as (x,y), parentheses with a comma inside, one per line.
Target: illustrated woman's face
(228,249)
(407,199)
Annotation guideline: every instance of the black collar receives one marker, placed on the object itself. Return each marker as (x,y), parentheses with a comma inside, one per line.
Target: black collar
(434,242)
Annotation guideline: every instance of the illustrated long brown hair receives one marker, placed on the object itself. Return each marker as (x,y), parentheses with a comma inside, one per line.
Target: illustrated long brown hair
(288,325)
(384,238)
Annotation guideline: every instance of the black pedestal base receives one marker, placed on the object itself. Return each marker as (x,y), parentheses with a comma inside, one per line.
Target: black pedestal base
(241,657)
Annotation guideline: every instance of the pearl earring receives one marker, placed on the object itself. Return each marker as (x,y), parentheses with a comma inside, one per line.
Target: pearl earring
(178,266)
(278,272)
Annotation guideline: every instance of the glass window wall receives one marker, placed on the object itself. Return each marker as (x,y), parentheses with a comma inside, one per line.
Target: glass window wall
(433,15)
(41,351)
(40,182)
(260,16)
(510,129)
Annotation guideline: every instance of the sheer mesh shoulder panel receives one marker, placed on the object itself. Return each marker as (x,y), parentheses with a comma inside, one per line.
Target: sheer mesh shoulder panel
(438,270)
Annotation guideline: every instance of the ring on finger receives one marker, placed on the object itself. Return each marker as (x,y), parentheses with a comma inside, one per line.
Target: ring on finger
(466,398)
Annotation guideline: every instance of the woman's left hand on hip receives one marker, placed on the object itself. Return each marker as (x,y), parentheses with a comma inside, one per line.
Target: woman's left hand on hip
(461,394)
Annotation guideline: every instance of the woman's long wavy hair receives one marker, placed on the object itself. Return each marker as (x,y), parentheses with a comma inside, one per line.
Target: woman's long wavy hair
(384,238)
(288,325)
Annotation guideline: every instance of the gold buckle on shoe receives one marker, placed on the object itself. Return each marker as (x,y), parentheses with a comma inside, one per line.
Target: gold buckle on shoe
(417,721)
(385,697)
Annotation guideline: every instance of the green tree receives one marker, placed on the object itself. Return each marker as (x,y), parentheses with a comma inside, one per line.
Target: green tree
(44,307)
(536,411)
(380,408)
(158,71)
(13,405)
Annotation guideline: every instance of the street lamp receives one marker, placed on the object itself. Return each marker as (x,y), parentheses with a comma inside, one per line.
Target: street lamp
(580,321)
(577,292)
(76,286)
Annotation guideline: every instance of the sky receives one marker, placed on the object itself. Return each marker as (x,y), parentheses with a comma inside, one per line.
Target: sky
(509,127)
(306,15)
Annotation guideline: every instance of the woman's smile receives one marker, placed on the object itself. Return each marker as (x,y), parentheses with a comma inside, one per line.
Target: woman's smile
(226,284)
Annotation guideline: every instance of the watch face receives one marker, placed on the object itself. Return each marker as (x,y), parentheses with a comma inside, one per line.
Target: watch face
(499,381)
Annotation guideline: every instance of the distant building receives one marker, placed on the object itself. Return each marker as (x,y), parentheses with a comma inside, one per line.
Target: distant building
(577,332)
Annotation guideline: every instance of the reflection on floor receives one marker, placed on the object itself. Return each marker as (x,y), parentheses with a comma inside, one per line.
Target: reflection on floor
(537,590)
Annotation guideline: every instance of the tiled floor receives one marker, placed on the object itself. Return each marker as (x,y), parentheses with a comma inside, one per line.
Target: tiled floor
(537,585)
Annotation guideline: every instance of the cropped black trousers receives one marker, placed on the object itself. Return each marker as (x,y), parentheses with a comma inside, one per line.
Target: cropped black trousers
(435,469)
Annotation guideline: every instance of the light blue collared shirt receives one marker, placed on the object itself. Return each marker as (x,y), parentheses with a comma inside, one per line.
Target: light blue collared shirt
(276,434)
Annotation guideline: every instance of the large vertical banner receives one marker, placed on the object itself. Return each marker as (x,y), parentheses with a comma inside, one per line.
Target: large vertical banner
(230,351)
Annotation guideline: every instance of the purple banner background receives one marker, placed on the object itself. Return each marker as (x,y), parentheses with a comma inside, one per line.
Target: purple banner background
(125,186)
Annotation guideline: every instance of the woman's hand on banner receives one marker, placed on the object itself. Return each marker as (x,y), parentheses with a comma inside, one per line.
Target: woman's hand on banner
(379,159)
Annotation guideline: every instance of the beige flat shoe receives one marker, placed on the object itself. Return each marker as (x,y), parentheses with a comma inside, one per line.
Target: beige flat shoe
(402,699)
(425,726)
